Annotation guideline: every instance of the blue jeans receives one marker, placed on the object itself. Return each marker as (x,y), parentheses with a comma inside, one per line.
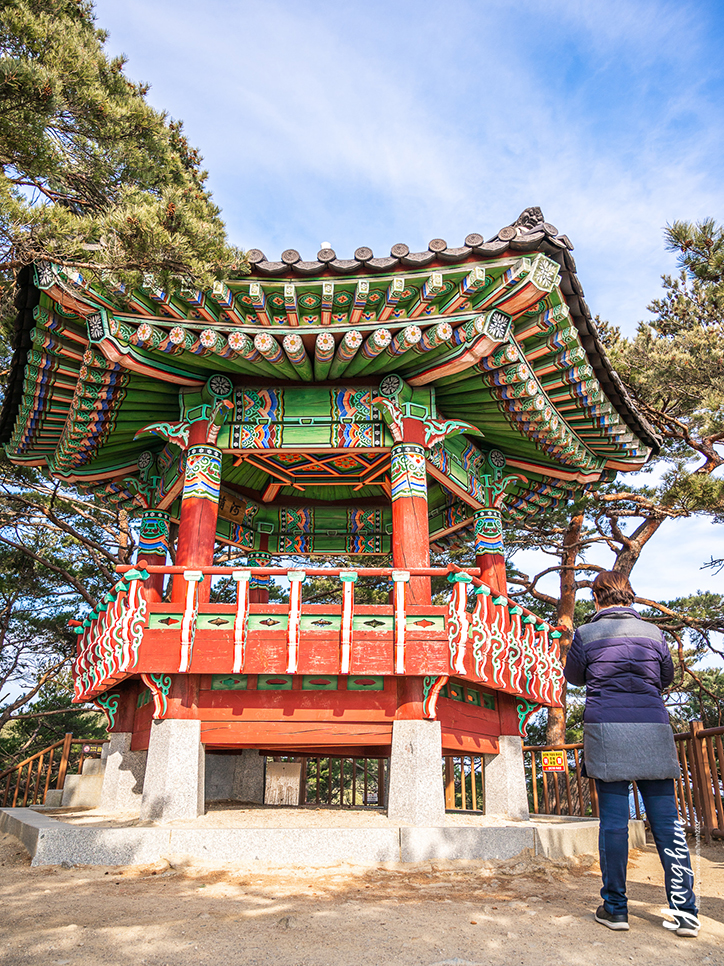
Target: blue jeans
(660,804)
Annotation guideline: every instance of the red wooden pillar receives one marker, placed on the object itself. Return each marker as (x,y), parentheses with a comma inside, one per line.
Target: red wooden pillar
(489,549)
(410,526)
(259,588)
(410,698)
(199,511)
(153,549)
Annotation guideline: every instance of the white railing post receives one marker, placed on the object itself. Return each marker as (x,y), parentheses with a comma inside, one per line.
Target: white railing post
(296,578)
(188,625)
(241,623)
(458,621)
(400,579)
(348,578)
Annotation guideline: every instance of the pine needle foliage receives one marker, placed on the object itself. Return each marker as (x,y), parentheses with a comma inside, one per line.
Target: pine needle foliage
(90,174)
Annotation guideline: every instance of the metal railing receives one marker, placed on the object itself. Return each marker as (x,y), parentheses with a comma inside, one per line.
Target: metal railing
(28,782)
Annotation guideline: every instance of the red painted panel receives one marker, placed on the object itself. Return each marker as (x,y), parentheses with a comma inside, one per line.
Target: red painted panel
(140,739)
(285,734)
(344,707)
(457,742)
(466,718)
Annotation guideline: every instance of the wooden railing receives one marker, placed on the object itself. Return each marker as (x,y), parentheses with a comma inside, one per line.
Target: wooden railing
(559,793)
(699,790)
(28,782)
(344,782)
(464,777)
(497,640)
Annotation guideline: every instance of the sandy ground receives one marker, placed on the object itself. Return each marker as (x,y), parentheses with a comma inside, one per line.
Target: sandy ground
(518,913)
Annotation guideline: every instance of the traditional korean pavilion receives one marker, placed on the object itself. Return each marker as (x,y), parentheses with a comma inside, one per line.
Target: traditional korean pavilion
(322,409)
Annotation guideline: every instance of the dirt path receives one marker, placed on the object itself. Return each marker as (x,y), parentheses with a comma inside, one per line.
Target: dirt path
(517,915)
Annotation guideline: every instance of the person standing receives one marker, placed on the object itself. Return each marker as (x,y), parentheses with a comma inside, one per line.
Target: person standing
(625,664)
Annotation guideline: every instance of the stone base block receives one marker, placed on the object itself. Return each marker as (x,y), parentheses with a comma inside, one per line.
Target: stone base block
(174,783)
(562,836)
(505,788)
(125,770)
(82,791)
(415,793)
(50,841)
(237,778)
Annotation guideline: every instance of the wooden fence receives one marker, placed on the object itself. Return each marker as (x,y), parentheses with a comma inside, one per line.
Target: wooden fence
(341,782)
(699,790)
(464,777)
(28,782)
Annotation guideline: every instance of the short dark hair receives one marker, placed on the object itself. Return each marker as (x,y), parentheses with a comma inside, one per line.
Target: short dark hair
(612,587)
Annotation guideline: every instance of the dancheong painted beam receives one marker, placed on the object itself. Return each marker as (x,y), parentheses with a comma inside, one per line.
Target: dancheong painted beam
(368,408)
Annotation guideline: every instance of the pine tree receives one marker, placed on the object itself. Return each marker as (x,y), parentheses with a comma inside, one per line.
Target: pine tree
(90,174)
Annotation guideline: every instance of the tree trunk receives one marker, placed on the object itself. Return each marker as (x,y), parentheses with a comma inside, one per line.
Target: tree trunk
(631,551)
(556,729)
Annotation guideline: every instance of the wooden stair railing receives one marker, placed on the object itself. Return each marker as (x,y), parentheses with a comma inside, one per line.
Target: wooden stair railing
(30,779)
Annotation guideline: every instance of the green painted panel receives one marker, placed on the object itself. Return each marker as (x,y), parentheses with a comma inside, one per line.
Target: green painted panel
(427,623)
(274,682)
(143,698)
(453,691)
(373,623)
(488,700)
(300,437)
(269,622)
(219,622)
(366,682)
(319,682)
(229,682)
(320,622)
(165,621)
(473,697)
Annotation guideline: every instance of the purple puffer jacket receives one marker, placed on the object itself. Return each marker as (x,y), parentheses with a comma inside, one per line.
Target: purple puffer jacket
(624,663)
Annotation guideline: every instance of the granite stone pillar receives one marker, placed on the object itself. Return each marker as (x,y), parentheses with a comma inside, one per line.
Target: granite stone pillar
(505,787)
(415,790)
(249,777)
(123,777)
(237,778)
(174,785)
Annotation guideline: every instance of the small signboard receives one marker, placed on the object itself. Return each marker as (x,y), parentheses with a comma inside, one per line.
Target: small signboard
(553,760)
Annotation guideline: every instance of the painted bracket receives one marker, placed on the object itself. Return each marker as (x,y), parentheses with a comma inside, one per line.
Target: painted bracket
(108,703)
(498,640)
(241,624)
(481,629)
(526,710)
(348,578)
(188,626)
(431,688)
(400,578)
(296,578)
(458,622)
(515,651)
(159,685)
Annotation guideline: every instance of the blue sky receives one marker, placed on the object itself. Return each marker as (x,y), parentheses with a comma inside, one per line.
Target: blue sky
(370,124)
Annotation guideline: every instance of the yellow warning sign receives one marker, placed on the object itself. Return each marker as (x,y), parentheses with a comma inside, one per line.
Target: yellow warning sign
(553,760)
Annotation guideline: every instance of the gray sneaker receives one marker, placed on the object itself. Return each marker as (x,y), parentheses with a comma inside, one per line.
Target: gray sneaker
(685,923)
(617,920)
